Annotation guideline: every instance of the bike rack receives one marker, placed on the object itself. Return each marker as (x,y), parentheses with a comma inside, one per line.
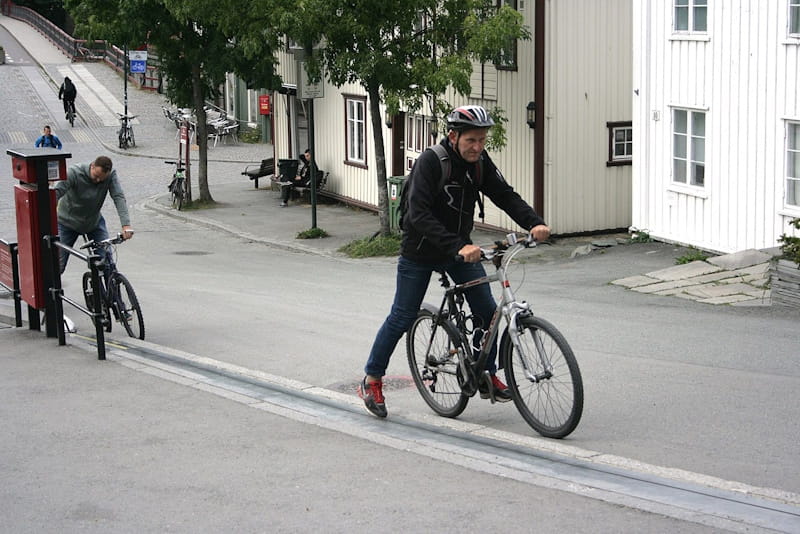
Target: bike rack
(93,262)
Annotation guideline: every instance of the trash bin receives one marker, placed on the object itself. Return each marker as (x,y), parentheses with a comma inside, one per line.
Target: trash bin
(287,169)
(395,185)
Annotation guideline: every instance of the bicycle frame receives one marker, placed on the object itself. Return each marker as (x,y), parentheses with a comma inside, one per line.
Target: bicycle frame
(508,307)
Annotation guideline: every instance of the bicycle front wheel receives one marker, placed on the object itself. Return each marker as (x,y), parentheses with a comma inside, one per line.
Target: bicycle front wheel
(544,378)
(130,313)
(131,139)
(433,355)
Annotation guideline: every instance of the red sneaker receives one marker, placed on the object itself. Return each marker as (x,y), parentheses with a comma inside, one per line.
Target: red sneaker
(372,394)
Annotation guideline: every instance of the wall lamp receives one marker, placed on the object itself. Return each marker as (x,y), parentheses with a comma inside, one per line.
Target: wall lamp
(530,114)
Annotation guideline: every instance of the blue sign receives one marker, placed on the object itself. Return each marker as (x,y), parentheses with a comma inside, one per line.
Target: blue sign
(138,60)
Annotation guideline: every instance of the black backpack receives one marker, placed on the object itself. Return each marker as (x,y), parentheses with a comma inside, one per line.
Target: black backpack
(444,161)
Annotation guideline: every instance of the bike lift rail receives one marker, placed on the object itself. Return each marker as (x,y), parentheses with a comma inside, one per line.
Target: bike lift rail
(94,262)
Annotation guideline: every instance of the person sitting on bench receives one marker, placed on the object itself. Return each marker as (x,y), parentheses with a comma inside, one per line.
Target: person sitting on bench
(301,180)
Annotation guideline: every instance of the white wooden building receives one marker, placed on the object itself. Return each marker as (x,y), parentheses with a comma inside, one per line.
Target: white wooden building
(716,117)
(574,166)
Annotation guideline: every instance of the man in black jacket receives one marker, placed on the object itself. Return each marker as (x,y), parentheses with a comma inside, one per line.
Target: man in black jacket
(436,228)
(67,92)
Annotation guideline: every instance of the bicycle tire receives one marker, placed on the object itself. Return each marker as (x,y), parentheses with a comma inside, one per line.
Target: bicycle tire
(131,138)
(88,295)
(181,194)
(127,304)
(122,141)
(129,311)
(174,195)
(72,118)
(552,405)
(437,380)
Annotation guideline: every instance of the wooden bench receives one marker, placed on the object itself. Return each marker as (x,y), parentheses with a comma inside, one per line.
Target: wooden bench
(302,190)
(267,168)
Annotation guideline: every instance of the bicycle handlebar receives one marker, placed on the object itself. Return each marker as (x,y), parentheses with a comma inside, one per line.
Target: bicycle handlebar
(499,247)
(104,243)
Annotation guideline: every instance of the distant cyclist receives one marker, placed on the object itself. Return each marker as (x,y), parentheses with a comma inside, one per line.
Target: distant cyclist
(67,92)
(47,139)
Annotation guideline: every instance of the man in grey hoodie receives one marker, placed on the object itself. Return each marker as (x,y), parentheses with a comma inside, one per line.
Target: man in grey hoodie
(80,198)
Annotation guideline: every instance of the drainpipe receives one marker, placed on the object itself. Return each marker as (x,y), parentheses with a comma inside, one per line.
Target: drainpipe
(539,98)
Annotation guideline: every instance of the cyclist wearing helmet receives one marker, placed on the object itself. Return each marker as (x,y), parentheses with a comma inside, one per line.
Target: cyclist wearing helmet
(436,227)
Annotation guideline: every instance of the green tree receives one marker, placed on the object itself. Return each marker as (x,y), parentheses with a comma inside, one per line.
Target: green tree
(197,44)
(403,51)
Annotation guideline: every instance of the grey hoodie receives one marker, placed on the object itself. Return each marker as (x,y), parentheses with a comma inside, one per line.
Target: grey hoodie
(80,199)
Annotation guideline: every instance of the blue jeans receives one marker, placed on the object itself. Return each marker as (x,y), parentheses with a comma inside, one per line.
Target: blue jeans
(68,236)
(412,284)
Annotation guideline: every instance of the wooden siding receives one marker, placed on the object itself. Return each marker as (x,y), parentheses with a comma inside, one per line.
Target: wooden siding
(588,83)
(744,75)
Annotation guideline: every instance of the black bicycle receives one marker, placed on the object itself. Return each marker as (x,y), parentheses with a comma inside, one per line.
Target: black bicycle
(177,187)
(448,350)
(117,296)
(71,112)
(125,132)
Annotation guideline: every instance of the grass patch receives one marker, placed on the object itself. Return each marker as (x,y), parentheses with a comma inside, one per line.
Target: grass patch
(692,255)
(199,205)
(641,236)
(377,245)
(312,233)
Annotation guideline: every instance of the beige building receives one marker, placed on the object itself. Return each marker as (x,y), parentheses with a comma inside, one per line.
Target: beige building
(570,157)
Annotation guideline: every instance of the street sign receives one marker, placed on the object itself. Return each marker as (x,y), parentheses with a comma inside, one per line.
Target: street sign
(138,60)
(306,89)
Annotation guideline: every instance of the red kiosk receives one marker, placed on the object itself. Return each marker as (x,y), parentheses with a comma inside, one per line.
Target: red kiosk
(35,203)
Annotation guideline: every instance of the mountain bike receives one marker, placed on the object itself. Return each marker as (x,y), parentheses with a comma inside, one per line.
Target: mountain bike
(125,132)
(177,187)
(116,292)
(540,368)
(71,112)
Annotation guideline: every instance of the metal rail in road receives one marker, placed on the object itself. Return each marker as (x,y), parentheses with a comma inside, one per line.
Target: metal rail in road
(718,507)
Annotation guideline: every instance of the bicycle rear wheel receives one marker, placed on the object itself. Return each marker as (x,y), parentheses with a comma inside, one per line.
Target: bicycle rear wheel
(177,194)
(88,295)
(544,378)
(437,376)
(130,313)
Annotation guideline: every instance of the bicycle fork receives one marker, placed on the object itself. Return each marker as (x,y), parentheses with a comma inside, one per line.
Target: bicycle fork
(522,309)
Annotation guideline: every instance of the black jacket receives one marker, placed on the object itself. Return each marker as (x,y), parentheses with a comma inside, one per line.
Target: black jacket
(67,91)
(438,222)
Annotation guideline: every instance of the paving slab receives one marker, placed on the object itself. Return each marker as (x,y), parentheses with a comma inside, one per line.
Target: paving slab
(635,281)
(687,270)
(741,259)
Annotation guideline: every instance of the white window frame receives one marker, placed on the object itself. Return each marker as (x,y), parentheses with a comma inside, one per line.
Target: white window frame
(792,196)
(794,18)
(615,157)
(355,130)
(690,9)
(689,148)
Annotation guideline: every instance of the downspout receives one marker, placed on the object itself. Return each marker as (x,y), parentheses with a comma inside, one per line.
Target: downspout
(539,99)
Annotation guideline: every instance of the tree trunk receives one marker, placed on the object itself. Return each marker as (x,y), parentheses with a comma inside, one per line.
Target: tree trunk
(373,91)
(201,135)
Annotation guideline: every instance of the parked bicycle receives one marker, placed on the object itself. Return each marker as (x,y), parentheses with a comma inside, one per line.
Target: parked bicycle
(116,292)
(125,132)
(540,368)
(71,113)
(177,187)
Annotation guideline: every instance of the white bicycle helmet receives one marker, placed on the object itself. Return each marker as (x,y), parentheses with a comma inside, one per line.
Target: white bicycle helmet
(469,117)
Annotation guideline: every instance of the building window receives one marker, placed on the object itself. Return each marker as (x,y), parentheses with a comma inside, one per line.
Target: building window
(793,164)
(691,15)
(688,147)
(417,139)
(356,134)
(508,55)
(620,143)
(794,17)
